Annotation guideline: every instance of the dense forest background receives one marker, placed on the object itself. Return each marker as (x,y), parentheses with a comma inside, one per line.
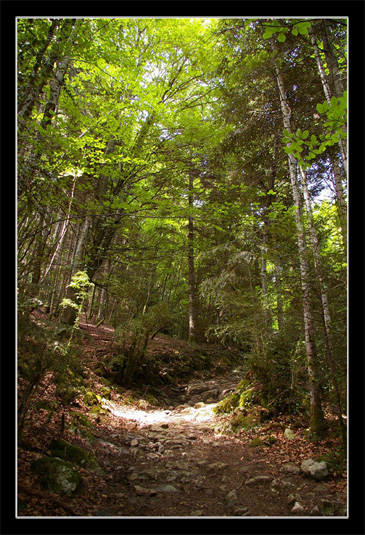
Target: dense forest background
(186,177)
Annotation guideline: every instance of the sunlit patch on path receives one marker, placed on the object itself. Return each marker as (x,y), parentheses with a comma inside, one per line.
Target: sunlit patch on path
(150,417)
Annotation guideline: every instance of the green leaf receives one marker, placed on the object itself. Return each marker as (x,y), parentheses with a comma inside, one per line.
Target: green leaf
(281,38)
(305,134)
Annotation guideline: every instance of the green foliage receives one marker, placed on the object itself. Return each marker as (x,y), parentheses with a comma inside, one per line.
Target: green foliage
(279,27)
(144,105)
(40,353)
(306,150)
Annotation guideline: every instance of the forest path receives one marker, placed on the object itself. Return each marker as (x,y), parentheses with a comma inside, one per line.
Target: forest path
(178,461)
(174,463)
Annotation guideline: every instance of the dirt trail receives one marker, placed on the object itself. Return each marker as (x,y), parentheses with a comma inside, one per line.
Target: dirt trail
(177,461)
(172,462)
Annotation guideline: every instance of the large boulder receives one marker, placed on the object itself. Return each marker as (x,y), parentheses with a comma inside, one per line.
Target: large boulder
(314,469)
(56,475)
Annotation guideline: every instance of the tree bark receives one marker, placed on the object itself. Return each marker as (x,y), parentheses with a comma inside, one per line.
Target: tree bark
(40,75)
(193,309)
(70,313)
(325,305)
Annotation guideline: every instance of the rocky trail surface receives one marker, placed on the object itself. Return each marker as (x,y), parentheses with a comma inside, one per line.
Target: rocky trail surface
(173,462)
(179,460)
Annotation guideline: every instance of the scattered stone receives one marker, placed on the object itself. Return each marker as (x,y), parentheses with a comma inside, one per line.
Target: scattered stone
(199,481)
(314,469)
(329,508)
(297,508)
(288,433)
(240,511)
(315,511)
(232,498)
(259,480)
(210,395)
(292,498)
(166,488)
(143,491)
(134,442)
(287,484)
(290,468)
(275,486)
(103,513)
(217,466)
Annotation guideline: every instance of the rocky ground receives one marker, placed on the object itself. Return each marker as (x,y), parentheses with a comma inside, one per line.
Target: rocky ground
(180,459)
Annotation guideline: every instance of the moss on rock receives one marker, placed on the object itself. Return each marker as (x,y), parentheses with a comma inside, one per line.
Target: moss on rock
(75,455)
(82,419)
(91,399)
(57,475)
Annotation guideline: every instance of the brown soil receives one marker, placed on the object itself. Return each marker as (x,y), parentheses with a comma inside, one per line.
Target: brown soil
(170,461)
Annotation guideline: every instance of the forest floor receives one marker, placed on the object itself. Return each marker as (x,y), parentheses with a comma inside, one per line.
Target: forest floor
(172,456)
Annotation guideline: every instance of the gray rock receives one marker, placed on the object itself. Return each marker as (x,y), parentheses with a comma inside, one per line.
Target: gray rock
(288,433)
(210,395)
(167,488)
(232,498)
(197,388)
(217,466)
(290,468)
(240,511)
(297,508)
(259,480)
(314,469)
(331,508)
(57,475)
(292,498)
(315,511)
(143,491)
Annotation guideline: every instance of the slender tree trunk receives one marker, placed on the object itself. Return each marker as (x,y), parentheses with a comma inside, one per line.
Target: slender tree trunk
(317,422)
(279,298)
(340,200)
(325,305)
(39,253)
(70,313)
(41,73)
(193,312)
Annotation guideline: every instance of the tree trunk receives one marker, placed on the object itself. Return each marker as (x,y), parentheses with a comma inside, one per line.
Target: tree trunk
(325,305)
(193,306)
(41,73)
(70,313)
(317,422)
(340,200)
